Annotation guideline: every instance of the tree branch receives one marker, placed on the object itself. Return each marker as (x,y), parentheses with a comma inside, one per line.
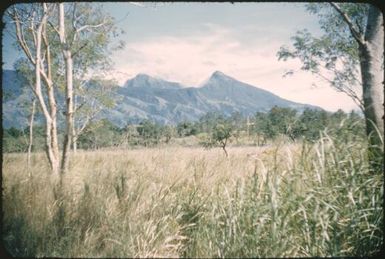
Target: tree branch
(21,38)
(349,92)
(356,34)
(53,27)
(77,51)
(84,27)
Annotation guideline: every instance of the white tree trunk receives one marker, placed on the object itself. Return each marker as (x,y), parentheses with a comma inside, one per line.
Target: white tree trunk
(371,61)
(52,157)
(69,90)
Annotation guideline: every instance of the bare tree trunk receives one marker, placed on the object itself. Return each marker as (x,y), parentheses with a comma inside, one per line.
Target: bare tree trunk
(37,27)
(53,128)
(69,112)
(69,90)
(51,98)
(74,139)
(371,62)
(31,121)
(224,149)
(54,162)
(224,143)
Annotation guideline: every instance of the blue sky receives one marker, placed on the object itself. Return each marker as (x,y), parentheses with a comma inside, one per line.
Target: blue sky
(186,42)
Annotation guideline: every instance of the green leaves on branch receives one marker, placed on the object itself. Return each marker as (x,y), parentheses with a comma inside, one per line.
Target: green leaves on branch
(220,135)
(334,56)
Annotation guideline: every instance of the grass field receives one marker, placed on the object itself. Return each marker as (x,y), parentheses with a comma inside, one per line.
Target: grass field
(284,200)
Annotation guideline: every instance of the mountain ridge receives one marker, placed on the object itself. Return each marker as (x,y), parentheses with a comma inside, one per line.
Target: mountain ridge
(146,97)
(175,103)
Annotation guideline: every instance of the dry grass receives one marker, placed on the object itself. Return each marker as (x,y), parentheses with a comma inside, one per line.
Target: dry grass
(283,200)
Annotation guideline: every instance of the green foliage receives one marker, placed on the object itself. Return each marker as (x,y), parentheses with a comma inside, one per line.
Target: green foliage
(221,132)
(186,129)
(92,47)
(99,134)
(334,56)
(16,140)
(212,130)
(281,121)
(208,121)
(311,123)
(220,135)
(150,132)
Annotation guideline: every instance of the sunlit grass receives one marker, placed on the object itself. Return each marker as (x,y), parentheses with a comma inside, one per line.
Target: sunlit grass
(285,200)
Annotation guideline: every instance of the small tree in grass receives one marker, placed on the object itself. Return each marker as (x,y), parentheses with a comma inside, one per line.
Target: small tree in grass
(219,136)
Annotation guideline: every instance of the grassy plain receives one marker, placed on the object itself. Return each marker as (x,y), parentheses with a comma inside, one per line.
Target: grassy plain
(283,200)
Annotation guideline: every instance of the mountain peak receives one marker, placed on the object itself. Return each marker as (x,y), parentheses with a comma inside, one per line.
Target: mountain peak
(142,76)
(142,80)
(218,75)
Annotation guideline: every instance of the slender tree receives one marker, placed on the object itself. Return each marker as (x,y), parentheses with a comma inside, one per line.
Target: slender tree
(91,98)
(67,55)
(26,78)
(81,34)
(84,34)
(31,34)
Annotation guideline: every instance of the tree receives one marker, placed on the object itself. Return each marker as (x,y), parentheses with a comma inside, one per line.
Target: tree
(81,35)
(150,132)
(349,54)
(25,75)
(208,121)
(220,135)
(167,132)
(31,32)
(185,129)
(281,120)
(92,97)
(82,26)
(310,123)
(90,31)
(13,140)
(262,127)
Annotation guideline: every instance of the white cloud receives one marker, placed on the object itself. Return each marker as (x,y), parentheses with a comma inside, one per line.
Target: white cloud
(191,59)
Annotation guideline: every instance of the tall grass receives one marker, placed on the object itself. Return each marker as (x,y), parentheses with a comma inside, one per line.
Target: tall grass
(287,200)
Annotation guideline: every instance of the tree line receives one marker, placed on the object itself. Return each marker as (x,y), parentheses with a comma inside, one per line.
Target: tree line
(212,129)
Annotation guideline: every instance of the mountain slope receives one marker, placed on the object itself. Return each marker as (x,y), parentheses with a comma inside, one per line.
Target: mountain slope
(146,97)
(243,97)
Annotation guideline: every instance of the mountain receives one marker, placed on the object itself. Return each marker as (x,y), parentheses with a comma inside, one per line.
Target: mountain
(143,80)
(146,97)
(226,91)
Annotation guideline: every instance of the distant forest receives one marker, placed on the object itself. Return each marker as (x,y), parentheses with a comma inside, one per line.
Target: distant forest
(260,129)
